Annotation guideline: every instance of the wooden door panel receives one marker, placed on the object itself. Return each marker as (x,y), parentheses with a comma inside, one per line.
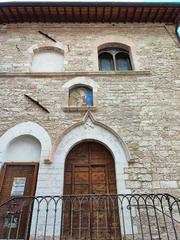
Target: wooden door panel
(90,169)
(10,173)
(112,188)
(67,177)
(102,234)
(98,177)
(81,168)
(14,172)
(81,177)
(112,178)
(68,189)
(80,189)
(98,189)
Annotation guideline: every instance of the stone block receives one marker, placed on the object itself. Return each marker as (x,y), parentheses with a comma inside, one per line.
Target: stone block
(168,184)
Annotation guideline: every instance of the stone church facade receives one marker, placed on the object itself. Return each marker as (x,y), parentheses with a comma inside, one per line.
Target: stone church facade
(104,82)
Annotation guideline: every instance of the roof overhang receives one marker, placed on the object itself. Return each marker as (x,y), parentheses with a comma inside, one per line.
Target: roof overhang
(85,12)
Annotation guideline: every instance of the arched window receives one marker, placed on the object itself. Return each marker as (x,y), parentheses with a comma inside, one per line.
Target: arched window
(47,60)
(80,96)
(114,59)
(105,62)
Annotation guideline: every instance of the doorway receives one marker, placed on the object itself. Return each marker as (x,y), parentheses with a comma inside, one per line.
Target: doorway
(17,180)
(90,178)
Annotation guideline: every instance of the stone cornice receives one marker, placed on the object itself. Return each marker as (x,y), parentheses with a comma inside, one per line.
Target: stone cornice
(73,74)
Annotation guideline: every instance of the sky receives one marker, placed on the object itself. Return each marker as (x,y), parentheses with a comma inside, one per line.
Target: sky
(92,0)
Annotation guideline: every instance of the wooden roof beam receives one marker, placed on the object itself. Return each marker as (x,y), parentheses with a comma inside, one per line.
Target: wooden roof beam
(66,19)
(177,18)
(21,15)
(126,14)
(156,15)
(175,15)
(12,14)
(44,11)
(133,15)
(141,14)
(58,14)
(35,15)
(5,16)
(163,15)
(169,15)
(119,14)
(148,15)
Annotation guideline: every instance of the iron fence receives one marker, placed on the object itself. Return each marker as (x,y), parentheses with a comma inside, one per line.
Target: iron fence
(110,217)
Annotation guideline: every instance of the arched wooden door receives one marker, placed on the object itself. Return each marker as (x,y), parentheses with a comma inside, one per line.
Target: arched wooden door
(89,169)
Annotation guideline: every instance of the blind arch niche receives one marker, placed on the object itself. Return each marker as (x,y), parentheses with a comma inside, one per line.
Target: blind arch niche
(47,59)
(24,148)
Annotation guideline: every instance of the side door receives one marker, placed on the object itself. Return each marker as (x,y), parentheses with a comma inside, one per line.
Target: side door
(16,180)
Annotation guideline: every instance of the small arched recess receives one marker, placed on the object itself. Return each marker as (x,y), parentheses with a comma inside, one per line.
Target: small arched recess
(80,94)
(28,134)
(24,148)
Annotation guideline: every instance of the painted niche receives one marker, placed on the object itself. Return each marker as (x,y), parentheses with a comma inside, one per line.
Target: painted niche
(80,96)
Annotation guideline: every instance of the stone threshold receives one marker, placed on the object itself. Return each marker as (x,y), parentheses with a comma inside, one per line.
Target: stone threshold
(75,74)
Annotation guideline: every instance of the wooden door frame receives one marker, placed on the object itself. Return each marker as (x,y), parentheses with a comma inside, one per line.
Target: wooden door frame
(35,174)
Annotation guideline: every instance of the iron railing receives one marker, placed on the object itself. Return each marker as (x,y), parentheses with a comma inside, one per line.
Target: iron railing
(110,217)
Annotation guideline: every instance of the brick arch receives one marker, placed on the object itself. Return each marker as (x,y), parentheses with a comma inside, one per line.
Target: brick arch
(26,128)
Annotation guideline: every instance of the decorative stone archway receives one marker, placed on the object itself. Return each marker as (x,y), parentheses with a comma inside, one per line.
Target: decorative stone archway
(51,176)
(90,129)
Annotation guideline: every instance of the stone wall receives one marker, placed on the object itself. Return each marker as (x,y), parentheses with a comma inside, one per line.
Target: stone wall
(141,106)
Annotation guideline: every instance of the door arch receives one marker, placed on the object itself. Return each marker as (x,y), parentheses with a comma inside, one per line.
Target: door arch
(90,169)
